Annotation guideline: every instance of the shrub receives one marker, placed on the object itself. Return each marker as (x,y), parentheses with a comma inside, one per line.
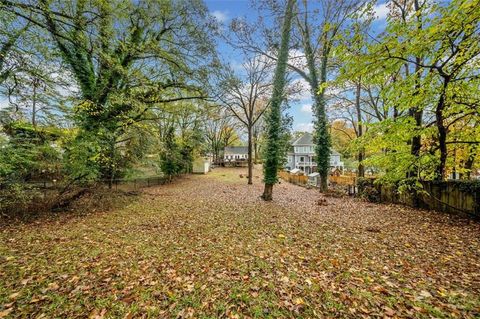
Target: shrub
(368,190)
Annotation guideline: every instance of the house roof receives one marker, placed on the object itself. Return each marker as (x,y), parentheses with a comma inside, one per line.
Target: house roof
(296,171)
(333,152)
(236,150)
(307,140)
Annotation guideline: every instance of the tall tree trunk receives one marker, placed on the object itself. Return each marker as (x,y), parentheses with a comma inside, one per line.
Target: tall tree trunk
(34,103)
(470,160)
(250,157)
(274,119)
(442,132)
(361,152)
(321,134)
(415,112)
(255,150)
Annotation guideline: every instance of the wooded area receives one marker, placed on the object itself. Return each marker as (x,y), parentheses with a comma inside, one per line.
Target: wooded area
(107,107)
(95,91)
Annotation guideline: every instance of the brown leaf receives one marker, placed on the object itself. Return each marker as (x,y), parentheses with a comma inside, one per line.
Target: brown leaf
(389,311)
(5,313)
(14,296)
(96,314)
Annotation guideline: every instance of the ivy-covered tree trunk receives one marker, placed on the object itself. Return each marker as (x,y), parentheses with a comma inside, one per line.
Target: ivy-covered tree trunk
(274,115)
(321,135)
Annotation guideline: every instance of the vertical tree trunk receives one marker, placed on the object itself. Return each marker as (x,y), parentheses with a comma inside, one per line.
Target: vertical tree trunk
(470,160)
(415,112)
(442,132)
(274,118)
(358,91)
(268,192)
(250,157)
(321,136)
(34,104)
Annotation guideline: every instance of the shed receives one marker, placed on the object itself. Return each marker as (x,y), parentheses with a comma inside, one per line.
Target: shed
(313,178)
(201,165)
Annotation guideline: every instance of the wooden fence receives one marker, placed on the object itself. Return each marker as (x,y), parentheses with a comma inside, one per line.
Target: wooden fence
(342,180)
(445,196)
(303,180)
(294,179)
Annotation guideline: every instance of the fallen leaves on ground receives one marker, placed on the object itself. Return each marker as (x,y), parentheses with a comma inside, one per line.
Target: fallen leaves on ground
(209,247)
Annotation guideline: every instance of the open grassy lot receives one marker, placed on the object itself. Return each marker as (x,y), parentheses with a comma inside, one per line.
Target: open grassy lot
(208,247)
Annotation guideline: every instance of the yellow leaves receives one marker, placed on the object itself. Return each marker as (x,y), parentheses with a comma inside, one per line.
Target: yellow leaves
(5,313)
(285,279)
(298,301)
(128,315)
(335,262)
(97,314)
(196,258)
(14,296)
(53,286)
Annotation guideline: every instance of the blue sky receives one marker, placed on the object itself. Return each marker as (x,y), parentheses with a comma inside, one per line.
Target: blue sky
(225,10)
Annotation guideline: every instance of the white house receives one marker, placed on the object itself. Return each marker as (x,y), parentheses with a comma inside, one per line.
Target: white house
(235,153)
(302,155)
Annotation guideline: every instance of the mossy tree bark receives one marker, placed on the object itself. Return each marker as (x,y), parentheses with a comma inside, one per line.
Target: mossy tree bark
(274,115)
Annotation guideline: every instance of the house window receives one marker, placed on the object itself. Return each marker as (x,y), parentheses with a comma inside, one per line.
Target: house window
(302,159)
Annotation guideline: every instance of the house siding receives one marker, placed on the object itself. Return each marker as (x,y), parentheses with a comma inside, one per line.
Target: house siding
(303,155)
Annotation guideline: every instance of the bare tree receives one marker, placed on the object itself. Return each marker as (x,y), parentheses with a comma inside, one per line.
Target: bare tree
(245,95)
(314,36)
(220,132)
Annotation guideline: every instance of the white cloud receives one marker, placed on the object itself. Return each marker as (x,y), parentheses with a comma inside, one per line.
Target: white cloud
(304,127)
(381,11)
(297,59)
(332,91)
(306,108)
(303,88)
(4,103)
(221,16)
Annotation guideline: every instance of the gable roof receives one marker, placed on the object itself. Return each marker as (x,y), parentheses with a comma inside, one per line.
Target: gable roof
(307,140)
(236,150)
(333,152)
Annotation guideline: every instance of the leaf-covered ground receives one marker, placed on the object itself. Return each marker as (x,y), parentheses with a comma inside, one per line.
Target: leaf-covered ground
(208,247)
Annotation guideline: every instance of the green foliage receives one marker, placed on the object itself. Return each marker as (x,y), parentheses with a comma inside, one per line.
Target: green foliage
(469,186)
(16,196)
(420,85)
(24,157)
(171,158)
(368,190)
(273,148)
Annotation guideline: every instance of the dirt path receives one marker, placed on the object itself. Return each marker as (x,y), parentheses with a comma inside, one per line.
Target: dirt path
(208,247)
